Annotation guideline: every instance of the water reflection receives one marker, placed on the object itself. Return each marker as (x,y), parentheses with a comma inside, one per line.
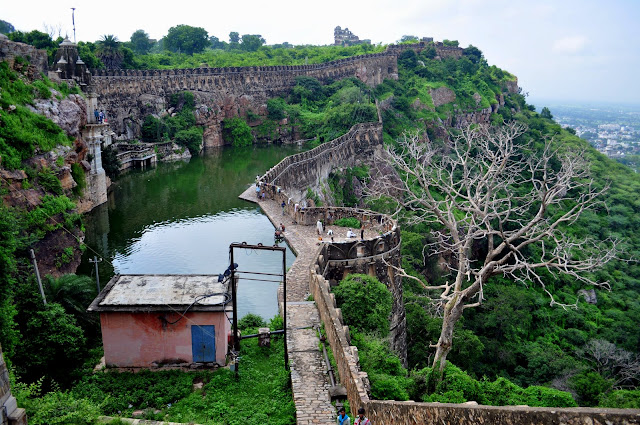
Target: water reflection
(179,218)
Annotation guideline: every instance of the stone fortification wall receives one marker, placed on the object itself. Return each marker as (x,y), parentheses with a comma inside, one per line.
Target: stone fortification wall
(129,95)
(409,413)
(10,50)
(298,172)
(441,50)
(288,182)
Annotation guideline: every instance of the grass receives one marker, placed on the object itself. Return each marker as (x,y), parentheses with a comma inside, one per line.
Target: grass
(262,395)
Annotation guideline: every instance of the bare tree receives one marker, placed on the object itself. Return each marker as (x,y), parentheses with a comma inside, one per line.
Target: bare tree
(613,363)
(483,189)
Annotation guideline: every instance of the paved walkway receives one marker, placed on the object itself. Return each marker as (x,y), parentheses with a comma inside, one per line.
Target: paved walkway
(309,378)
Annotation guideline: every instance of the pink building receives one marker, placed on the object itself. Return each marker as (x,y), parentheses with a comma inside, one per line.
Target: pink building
(153,320)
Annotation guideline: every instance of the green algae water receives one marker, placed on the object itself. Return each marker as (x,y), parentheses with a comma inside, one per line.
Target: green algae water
(180,217)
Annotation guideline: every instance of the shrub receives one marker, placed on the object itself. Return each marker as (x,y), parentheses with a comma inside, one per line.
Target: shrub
(537,396)
(49,181)
(77,172)
(191,139)
(42,91)
(365,303)
(590,386)
(275,109)
(352,222)
(251,321)
(621,399)
(236,131)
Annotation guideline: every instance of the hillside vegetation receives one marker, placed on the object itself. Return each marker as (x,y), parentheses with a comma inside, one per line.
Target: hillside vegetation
(515,348)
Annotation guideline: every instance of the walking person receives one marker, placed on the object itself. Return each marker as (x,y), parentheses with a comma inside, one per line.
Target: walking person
(283,205)
(96,115)
(343,419)
(362,232)
(101,116)
(361,419)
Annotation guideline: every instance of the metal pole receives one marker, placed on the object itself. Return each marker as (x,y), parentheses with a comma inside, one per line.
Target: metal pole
(96,261)
(284,307)
(236,340)
(73,20)
(35,267)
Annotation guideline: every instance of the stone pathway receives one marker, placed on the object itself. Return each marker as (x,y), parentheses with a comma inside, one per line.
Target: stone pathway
(309,378)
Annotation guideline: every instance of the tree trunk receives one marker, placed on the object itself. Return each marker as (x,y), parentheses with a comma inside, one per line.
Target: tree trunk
(452,312)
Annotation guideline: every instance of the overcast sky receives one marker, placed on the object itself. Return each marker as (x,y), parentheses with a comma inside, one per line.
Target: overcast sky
(563,50)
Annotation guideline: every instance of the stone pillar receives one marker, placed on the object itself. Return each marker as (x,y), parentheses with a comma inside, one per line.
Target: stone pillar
(97,178)
(10,413)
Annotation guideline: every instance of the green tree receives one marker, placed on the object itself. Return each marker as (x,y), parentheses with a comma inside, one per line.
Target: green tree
(251,42)
(234,37)
(275,108)
(365,303)
(186,39)
(110,52)
(54,339)
(74,293)
(152,129)
(140,42)
(191,138)
(38,39)
(409,39)
(215,43)
(236,132)
(473,53)
(546,113)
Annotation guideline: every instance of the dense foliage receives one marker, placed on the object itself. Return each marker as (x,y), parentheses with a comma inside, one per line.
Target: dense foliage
(23,132)
(34,335)
(179,127)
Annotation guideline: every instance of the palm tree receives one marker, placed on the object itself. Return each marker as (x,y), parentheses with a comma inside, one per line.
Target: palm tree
(110,52)
(74,293)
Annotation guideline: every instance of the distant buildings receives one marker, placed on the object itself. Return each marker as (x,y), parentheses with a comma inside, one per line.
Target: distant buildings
(344,37)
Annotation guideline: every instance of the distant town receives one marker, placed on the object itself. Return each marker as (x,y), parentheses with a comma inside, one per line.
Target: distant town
(612,129)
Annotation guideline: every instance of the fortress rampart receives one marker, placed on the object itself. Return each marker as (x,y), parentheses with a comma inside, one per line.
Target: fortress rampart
(128,96)
(288,182)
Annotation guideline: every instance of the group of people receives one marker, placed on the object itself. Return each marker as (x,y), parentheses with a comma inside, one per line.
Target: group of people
(343,418)
(99,116)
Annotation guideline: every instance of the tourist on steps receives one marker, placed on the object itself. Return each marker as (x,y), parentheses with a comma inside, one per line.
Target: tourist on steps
(343,419)
(361,419)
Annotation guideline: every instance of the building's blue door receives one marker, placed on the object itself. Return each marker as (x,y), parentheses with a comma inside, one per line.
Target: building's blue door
(203,343)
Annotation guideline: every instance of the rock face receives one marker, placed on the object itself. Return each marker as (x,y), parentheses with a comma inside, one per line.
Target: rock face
(442,96)
(70,113)
(10,50)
